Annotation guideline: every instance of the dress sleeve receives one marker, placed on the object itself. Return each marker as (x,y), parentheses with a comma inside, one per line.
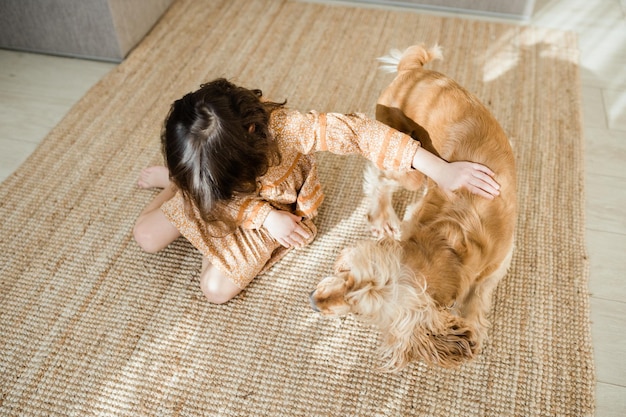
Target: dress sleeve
(248,212)
(345,134)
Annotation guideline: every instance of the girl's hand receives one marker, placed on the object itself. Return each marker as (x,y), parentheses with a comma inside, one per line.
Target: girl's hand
(285,227)
(475,177)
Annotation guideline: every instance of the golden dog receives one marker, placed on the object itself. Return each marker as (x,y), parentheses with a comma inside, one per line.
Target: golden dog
(427,282)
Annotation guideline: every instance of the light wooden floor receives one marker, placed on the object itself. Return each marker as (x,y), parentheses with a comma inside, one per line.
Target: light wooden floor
(37,90)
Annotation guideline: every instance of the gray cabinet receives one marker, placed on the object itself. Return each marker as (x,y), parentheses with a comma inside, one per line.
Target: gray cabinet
(100,29)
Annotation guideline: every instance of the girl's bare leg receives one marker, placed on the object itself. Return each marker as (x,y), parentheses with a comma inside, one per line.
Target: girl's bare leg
(153,231)
(215,286)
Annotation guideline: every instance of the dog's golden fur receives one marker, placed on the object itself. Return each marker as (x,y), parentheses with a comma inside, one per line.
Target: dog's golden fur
(427,281)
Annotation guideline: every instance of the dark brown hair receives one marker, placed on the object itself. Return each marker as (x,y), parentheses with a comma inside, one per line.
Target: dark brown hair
(216,143)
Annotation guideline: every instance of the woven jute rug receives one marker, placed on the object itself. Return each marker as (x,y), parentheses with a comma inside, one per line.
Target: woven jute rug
(91,325)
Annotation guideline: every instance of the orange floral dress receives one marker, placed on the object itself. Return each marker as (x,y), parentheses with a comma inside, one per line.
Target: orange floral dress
(293,185)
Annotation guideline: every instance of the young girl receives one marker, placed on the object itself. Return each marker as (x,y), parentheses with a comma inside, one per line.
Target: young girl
(241,184)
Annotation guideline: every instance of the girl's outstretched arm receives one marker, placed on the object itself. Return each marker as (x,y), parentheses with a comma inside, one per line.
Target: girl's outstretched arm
(388,148)
(451,176)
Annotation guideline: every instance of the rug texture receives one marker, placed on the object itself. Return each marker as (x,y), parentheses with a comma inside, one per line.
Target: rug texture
(92,326)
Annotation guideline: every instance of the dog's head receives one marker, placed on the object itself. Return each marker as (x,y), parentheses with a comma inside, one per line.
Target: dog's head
(329,297)
(361,283)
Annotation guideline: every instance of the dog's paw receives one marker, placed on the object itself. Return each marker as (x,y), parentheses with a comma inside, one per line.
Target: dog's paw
(385,226)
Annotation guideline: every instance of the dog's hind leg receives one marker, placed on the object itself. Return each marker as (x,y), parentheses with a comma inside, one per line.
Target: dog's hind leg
(477,302)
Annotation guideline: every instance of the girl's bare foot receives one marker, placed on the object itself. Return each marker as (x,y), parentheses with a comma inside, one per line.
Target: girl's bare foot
(155,176)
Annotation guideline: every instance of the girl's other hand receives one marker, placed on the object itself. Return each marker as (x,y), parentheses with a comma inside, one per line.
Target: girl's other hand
(285,227)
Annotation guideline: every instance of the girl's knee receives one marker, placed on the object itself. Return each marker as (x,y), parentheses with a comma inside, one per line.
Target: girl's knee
(217,296)
(145,238)
(218,289)
(153,231)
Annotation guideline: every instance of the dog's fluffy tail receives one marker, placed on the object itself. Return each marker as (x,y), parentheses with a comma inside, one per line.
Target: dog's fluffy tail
(413,57)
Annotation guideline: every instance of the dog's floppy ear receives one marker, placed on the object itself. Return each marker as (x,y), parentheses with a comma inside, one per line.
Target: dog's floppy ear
(367,299)
(400,331)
